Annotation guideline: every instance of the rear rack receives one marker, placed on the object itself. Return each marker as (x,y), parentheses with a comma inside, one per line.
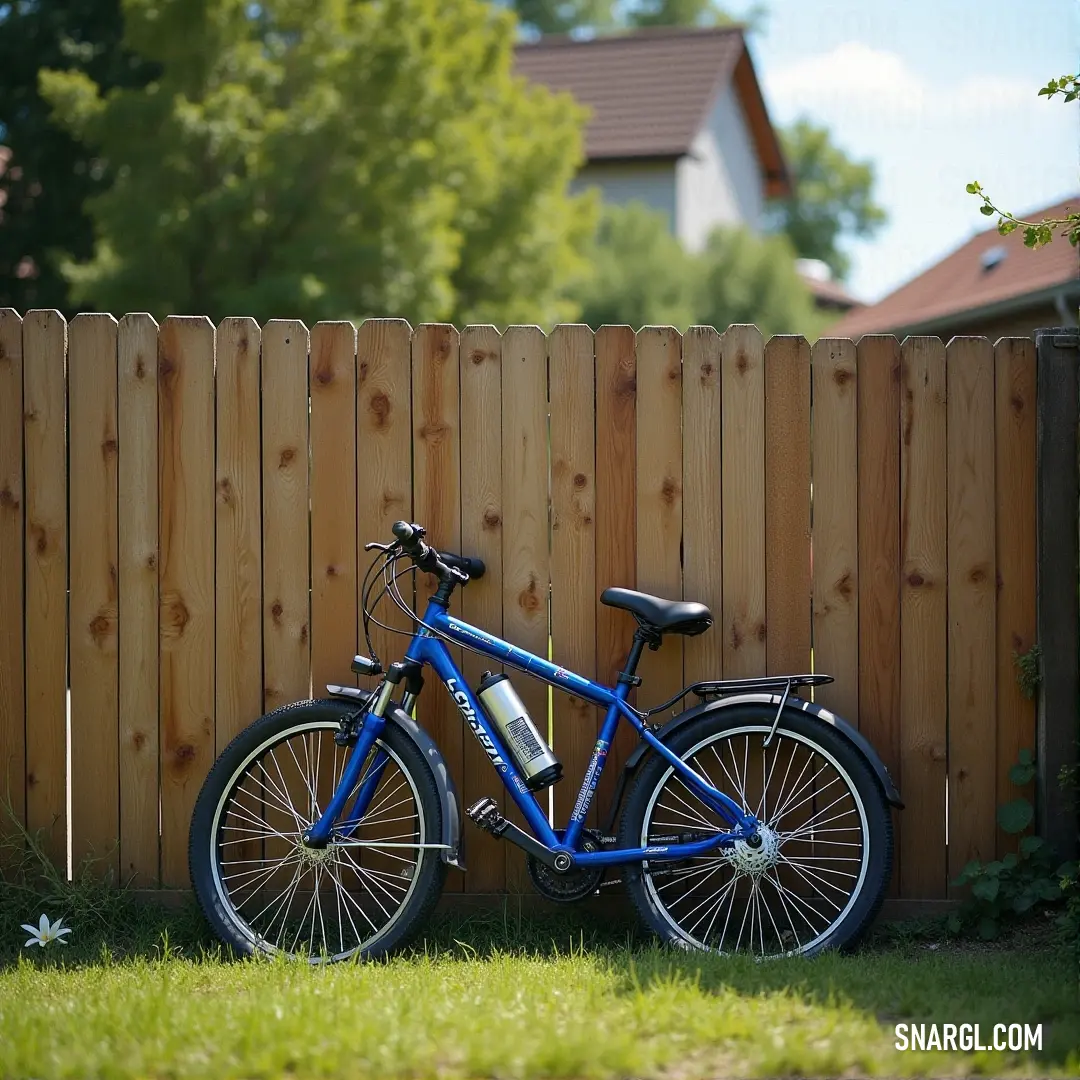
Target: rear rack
(775,684)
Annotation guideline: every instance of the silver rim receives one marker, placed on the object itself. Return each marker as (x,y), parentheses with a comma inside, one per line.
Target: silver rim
(787,896)
(326,905)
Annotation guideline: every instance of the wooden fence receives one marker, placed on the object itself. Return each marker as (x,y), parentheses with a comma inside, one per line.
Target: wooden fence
(183,510)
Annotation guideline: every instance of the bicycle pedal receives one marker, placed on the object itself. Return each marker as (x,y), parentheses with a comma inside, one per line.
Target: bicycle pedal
(485,813)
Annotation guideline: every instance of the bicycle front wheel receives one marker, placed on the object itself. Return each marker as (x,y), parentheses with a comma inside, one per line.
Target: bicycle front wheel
(264,891)
(820,873)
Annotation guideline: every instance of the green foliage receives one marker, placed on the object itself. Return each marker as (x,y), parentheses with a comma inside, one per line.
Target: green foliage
(649,13)
(752,279)
(49,174)
(1022,882)
(1037,233)
(639,273)
(562,16)
(832,197)
(1029,670)
(328,159)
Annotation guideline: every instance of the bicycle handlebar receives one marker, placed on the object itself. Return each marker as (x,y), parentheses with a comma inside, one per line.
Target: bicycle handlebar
(444,564)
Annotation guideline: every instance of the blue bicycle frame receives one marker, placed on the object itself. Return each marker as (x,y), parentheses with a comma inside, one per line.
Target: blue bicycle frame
(427,648)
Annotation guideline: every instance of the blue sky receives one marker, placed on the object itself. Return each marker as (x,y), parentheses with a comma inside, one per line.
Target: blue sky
(934,93)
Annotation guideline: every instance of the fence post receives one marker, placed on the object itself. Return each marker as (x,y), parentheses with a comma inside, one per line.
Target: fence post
(1058,603)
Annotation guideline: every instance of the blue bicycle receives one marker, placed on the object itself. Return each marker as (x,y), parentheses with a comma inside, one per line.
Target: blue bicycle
(752,822)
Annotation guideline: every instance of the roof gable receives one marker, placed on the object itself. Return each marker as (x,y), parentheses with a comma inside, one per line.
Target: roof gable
(651,91)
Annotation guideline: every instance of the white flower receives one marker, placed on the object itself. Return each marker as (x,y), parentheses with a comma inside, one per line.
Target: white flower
(45,932)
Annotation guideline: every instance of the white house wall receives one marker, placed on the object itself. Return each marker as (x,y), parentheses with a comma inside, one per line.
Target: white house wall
(720,182)
(648,182)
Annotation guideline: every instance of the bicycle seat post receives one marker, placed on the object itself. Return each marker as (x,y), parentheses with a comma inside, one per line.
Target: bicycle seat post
(642,637)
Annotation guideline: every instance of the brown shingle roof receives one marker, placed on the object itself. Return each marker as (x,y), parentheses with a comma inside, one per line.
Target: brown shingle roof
(649,92)
(961,283)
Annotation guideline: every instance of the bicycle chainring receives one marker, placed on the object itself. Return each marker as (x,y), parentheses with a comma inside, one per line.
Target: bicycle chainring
(566,888)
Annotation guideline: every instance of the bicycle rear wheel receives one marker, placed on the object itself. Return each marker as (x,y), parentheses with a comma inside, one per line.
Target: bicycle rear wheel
(819,876)
(263,891)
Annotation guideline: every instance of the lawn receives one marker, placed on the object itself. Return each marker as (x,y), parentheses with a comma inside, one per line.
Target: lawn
(501,995)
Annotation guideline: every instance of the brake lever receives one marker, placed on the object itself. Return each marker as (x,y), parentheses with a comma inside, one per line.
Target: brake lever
(381,547)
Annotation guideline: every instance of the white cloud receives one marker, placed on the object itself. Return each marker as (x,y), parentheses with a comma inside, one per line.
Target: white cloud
(856,77)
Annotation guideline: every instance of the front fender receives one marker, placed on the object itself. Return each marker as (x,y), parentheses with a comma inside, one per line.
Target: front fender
(448,798)
(858,740)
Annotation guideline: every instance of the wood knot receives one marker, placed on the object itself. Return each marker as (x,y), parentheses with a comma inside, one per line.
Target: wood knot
(844,585)
(915,579)
(7,499)
(937,752)
(668,490)
(109,447)
(434,432)
(100,627)
(626,387)
(166,367)
(176,616)
(331,571)
(842,376)
(478,356)
(287,456)
(276,610)
(736,636)
(529,597)
(303,634)
(706,370)
(184,753)
(151,561)
(140,367)
(324,375)
(41,539)
(138,739)
(379,407)
(1016,403)
(32,780)
(580,480)
(741,363)
(492,519)
(977,575)
(225,491)
(759,633)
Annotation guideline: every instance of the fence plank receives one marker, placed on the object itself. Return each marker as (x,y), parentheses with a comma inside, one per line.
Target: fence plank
(743,379)
(787,505)
(437,505)
(878,400)
(12,625)
(384,458)
(94,603)
(835,564)
(186,581)
(137,544)
(480,379)
(702,504)
(972,595)
(45,403)
(616,530)
(286,540)
(525,524)
(239,528)
(660,497)
(923,627)
(333,504)
(573,549)
(1015,516)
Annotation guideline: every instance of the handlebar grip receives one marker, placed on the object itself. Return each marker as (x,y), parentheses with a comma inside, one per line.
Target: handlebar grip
(473,567)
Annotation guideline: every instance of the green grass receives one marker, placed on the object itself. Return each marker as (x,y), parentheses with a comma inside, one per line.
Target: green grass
(500,995)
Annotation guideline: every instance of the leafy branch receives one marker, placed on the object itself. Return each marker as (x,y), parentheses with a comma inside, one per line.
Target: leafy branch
(1037,233)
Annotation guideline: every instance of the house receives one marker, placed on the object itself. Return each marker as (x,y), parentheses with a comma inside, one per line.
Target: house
(827,294)
(992,286)
(678,122)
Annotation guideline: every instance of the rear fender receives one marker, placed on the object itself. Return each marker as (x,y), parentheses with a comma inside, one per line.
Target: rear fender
(448,798)
(793,704)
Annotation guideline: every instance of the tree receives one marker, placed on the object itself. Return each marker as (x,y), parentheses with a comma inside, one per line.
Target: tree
(324,158)
(639,273)
(563,16)
(752,279)
(649,13)
(832,197)
(45,175)
(1037,233)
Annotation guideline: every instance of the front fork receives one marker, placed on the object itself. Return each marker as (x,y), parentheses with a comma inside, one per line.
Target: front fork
(318,835)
